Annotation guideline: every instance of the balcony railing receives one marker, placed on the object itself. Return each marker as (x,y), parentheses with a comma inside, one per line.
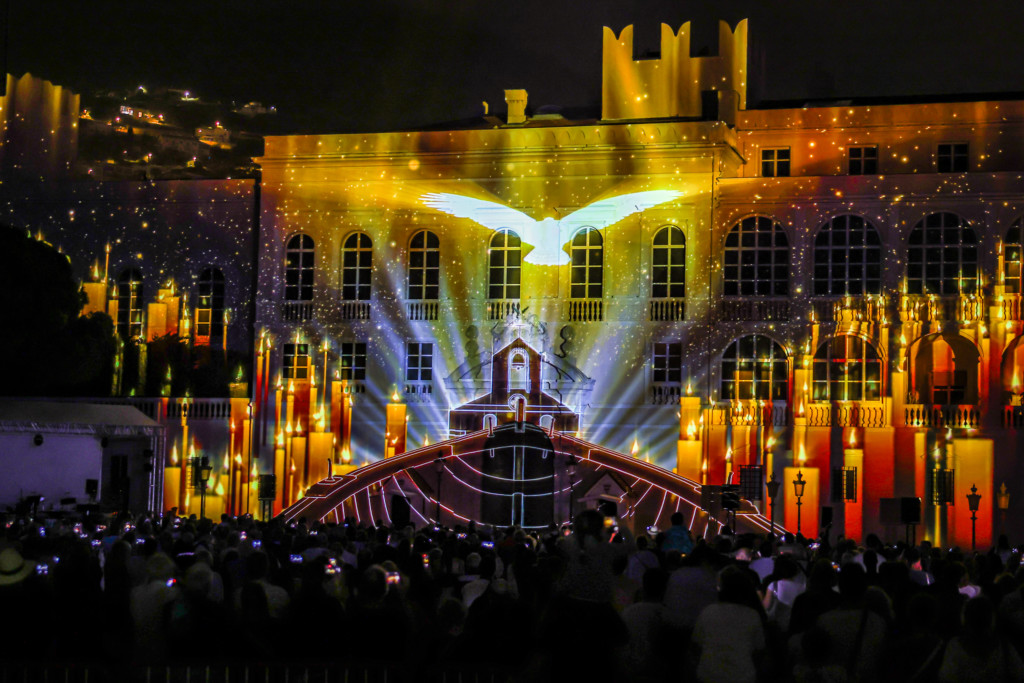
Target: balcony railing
(848,309)
(667,310)
(200,409)
(845,414)
(418,392)
(423,310)
(500,309)
(194,408)
(1009,306)
(665,394)
(1013,417)
(355,310)
(929,308)
(750,413)
(956,417)
(755,310)
(585,310)
(297,311)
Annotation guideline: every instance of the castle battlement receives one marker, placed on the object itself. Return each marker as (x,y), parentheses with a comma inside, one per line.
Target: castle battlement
(674,84)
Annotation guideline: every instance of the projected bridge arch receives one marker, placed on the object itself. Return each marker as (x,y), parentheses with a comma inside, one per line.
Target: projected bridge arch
(515,474)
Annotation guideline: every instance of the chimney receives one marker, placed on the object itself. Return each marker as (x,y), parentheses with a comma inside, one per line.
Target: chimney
(516,101)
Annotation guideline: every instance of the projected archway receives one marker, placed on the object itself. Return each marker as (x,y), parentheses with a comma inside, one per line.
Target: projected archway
(517,473)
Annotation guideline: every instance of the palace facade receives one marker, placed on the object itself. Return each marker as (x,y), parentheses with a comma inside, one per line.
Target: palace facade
(726,288)
(838,283)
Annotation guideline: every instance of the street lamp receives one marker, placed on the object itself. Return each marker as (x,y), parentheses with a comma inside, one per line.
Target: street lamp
(973,501)
(773,490)
(439,467)
(798,491)
(204,480)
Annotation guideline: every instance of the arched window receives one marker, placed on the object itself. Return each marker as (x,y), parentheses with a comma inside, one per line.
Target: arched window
(1012,257)
(424,266)
(668,276)
(942,257)
(847,368)
(356,267)
(847,258)
(505,265)
(586,278)
(129,303)
(519,372)
(210,308)
(299,269)
(755,367)
(756,259)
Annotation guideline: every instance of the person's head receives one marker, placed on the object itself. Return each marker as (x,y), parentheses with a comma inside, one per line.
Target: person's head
(877,601)
(374,584)
(734,586)
(852,583)
(677,519)
(159,567)
(256,566)
(197,580)
(451,616)
(588,523)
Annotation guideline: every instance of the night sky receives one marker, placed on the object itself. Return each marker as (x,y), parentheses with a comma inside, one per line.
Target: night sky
(343,65)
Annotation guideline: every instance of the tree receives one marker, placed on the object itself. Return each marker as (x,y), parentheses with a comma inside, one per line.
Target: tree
(48,348)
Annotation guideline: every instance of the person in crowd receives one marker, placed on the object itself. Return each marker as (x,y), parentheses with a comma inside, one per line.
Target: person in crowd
(647,655)
(729,636)
(678,537)
(123,592)
(979,654)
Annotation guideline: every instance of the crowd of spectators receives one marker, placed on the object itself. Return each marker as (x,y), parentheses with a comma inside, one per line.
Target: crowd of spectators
(587,602)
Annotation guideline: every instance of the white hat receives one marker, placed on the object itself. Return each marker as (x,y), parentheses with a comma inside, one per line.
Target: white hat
(13,567)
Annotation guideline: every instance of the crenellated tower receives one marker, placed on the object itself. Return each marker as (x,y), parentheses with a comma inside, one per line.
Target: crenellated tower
(676,84)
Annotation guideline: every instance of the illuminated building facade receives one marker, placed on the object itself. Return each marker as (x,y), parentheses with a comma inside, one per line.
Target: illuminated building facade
(829,290)
(837,285)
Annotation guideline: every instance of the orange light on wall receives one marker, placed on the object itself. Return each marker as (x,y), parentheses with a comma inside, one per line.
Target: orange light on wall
(397,424)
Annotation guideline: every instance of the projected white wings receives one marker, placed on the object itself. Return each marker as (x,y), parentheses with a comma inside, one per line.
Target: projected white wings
(547,236)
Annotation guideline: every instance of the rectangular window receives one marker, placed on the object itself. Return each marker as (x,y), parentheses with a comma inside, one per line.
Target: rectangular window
(952,157)
(668,362)
(864,160)
(296,361)
(352,361)
(419,362)
(948,388)
(775,162)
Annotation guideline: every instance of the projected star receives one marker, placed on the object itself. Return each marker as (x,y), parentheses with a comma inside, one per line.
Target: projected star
(547,236)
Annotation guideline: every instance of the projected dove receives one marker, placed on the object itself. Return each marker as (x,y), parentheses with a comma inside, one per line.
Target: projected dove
(547,236)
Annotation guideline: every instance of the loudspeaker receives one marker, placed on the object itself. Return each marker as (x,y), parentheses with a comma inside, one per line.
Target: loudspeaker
(731,497)
(267,487)
(710,497)
(826,517)
(92,487)
(889,511)
(38,439)
(910,510)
